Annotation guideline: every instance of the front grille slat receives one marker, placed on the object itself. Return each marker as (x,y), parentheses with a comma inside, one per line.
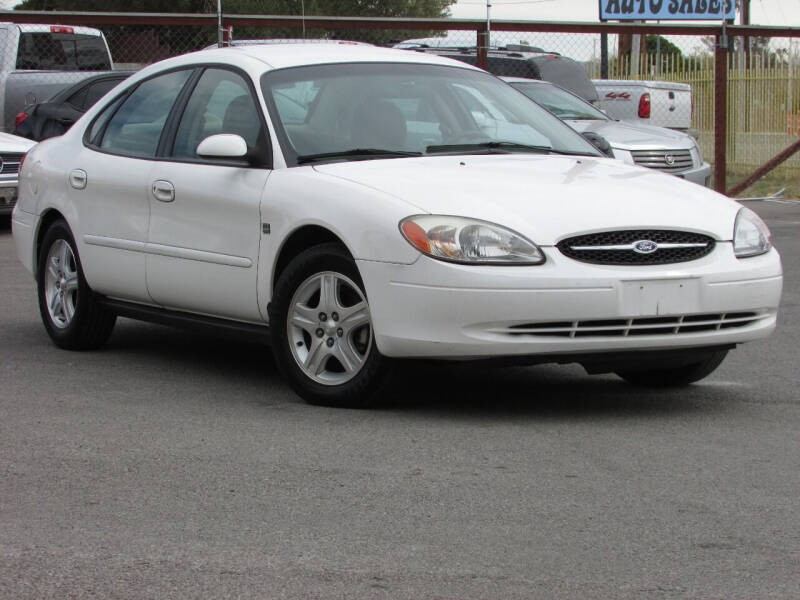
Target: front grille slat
(11,162)
(636,326)
(615,247)
(657,159)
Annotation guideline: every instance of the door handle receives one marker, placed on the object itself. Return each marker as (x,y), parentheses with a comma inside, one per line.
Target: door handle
(163,191)
(78,179)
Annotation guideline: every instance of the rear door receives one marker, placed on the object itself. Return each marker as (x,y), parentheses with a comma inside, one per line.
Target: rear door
(205,223)
(109,181)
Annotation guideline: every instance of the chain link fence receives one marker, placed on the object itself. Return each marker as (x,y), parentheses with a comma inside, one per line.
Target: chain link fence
(763,76)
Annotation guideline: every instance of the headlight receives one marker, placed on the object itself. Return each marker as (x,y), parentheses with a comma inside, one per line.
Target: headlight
(751,235)
(469,241)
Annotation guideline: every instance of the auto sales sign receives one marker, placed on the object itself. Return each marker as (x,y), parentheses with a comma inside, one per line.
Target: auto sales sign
(665,10)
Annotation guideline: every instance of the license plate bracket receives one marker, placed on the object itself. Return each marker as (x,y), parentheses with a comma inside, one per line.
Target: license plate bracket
(655,297)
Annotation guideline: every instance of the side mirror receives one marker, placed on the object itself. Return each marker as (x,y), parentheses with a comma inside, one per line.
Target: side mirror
(223,145)
(599,142)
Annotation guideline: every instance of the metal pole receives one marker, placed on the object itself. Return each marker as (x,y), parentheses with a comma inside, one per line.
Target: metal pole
(488,23)
(219,24)
(720,112)
(603,56)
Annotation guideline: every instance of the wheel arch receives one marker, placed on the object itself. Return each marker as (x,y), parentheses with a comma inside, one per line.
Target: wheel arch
(302,238)
(47,218)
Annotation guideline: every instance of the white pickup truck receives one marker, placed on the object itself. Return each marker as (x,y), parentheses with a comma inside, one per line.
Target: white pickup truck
(36,61)
(660,103)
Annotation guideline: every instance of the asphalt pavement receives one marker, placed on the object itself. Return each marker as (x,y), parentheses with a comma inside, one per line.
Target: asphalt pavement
(176,465)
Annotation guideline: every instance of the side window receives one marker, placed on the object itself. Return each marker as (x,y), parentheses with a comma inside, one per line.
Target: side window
(100,122)
(78,99)
(220,103)
(136,127)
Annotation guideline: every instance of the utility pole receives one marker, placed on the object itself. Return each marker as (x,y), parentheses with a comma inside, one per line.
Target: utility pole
(744,16)
(219,23)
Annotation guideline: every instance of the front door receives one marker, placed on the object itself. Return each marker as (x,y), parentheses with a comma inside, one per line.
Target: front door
(205,222)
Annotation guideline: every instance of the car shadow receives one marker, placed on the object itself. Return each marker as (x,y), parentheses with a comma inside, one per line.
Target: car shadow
(541,392)
(425,389)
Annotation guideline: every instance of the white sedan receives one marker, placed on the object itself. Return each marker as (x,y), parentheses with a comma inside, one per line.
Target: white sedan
(361,205)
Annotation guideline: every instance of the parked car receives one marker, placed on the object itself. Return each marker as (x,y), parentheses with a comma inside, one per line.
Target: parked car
(12,149)
(534,64)
(660,103)
(669,151)
(390,222)
(36,61)
(56,115)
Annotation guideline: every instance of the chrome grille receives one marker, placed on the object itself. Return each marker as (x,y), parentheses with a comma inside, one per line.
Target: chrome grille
(617,247)
(10,163)
(672,325)
(669,161)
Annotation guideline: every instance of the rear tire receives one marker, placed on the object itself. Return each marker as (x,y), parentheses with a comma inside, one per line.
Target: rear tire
(675,376)
(73,318)
(322,334)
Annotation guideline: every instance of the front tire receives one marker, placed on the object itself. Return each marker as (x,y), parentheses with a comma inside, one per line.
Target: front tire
(322,333)
(675,376)
(73,318)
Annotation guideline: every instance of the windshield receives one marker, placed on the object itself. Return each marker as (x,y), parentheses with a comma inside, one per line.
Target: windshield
(336,111)
(560,102)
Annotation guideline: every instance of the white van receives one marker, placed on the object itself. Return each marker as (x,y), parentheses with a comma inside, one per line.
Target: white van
(660,103)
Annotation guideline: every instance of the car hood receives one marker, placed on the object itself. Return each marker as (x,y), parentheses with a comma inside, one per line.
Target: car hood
(631,136)
(545,197)
(14,143)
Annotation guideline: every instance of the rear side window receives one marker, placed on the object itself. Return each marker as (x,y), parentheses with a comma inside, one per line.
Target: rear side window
(42,50)
(135,128)
(98,90)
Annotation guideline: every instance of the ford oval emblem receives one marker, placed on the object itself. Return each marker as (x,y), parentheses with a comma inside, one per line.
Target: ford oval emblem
(645,247)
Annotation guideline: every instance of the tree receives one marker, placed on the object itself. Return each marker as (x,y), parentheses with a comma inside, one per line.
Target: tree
(362,8)
(184,39)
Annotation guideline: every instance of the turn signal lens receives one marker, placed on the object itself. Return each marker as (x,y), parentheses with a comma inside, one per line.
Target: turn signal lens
(469,241)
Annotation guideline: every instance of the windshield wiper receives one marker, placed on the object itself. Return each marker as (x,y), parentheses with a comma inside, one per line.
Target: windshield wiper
(354,153)
(502,146)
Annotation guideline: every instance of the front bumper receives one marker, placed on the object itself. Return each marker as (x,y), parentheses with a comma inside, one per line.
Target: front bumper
(700,175)
(443,310)
(8,195)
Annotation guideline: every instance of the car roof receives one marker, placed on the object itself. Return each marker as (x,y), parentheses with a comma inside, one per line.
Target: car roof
(293,54)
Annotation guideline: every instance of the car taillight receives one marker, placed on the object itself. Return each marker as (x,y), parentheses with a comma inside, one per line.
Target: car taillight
(20,118)
(644,106)
(61,29)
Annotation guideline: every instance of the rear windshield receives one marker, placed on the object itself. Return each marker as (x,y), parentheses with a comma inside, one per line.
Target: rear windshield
(62,52)
(568,74)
